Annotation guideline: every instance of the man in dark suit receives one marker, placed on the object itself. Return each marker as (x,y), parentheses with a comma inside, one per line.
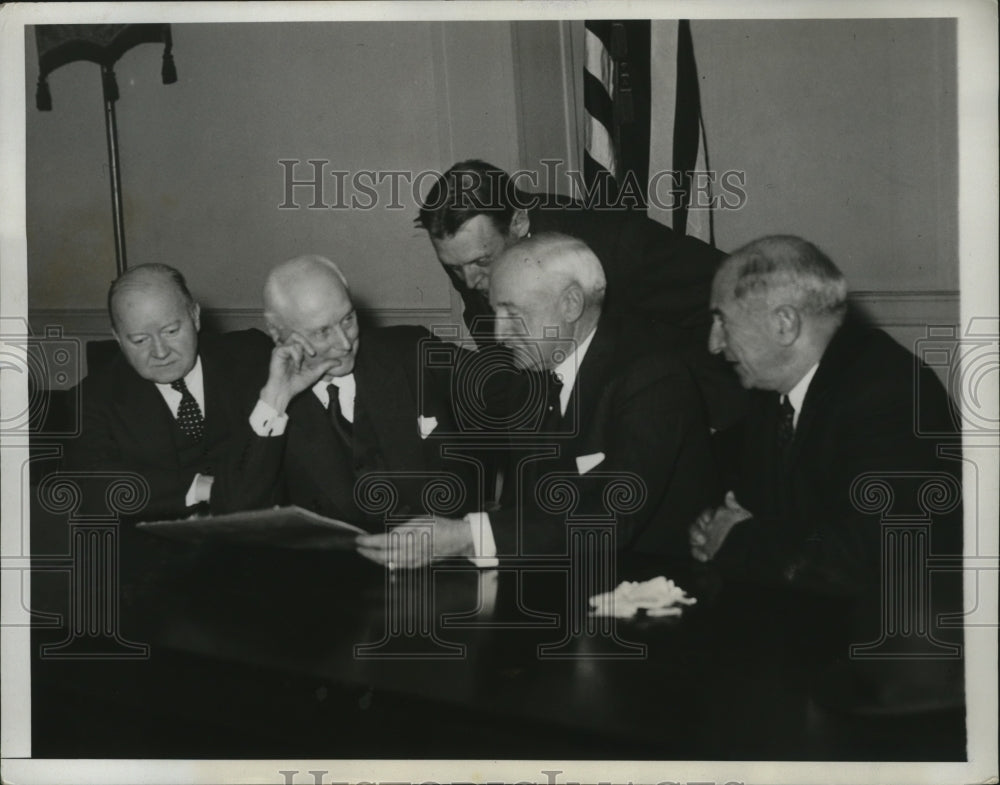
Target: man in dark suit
(660,279)
(172,406)
(347,421)
(608,412)
(835,404)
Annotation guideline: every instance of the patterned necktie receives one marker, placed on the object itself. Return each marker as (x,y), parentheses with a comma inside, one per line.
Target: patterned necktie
(189,416)
(337,419)
(786,423)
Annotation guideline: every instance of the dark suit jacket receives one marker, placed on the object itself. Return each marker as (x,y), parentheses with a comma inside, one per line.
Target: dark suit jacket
(658,278)
(329,472)
(864,411)
(641,410)
(127,426)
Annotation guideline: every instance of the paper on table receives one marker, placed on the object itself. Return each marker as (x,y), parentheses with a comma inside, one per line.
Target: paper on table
(658,597)
(282,527)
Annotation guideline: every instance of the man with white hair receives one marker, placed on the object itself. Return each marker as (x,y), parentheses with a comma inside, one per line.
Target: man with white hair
(607,406)
(834,400)
(834,404)
(658,278)
(338,405)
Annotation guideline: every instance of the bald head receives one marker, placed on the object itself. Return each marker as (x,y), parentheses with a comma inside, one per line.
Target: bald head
(155,321)
(549,261)
(550,286)
(308,297)
(300,281)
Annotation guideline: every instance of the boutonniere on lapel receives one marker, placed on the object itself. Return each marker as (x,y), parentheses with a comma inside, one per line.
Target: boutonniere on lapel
(426,425)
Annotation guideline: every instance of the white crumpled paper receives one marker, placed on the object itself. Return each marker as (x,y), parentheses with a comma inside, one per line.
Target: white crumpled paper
(658,597)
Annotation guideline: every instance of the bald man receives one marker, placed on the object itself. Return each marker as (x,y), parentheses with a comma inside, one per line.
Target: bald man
(339,405)
(609,407)
(173,405)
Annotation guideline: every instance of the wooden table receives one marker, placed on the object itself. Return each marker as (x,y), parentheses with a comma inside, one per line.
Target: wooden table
(261,653)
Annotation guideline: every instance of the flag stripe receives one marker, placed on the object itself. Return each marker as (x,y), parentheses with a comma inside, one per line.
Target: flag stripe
(597,101)
(599,158)
(600,146)
(598,60)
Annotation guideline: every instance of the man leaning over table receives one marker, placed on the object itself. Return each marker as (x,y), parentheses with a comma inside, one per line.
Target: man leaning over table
(611,406)
(341,403)
(833,400)
(656,277)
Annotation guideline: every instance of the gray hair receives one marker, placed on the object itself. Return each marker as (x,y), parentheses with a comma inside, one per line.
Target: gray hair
(794,267)
(566,259)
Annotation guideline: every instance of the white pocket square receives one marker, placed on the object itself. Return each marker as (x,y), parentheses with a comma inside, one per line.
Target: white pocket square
(426,425)
(584,463)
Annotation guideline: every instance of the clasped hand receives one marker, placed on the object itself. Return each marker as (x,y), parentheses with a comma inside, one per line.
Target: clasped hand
(709,531)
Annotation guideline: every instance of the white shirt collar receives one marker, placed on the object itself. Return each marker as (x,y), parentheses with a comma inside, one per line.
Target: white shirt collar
(195,381)
(797,395)
(346,389)
(568,369)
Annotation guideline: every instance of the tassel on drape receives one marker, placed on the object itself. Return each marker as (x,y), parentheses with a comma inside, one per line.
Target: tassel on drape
(43,98)
(169,70)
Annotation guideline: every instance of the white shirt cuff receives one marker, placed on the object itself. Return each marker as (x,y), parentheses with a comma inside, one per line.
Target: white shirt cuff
(483,543)
(265,421)
(191,498)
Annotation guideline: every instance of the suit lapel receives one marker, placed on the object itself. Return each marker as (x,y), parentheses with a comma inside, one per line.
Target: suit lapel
(214,386)
(382,384)
(330,462)
(591,378)
(145,415)
(831,365)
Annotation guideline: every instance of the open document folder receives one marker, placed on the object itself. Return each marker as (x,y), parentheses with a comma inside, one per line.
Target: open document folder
(281,527)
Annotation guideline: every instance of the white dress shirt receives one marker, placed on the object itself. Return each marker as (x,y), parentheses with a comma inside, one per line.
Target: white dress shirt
(346,390)
(195,382)
(265,421)
(568,369)
(797,395)
(483,543)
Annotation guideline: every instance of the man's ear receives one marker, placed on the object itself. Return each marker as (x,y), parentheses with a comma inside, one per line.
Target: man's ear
(787,323)
(196,317)
(520,225)
(272,330)
(571,303)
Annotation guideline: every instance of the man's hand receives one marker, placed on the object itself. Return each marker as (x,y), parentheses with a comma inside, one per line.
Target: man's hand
(290,373)
(711,528)
(417,542)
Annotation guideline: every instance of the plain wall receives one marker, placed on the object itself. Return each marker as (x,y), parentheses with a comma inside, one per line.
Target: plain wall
(846,131)
(200,158)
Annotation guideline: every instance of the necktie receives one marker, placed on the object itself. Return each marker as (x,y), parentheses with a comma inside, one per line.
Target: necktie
(337,419)
(554,385)
(189,416)
(786,423)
